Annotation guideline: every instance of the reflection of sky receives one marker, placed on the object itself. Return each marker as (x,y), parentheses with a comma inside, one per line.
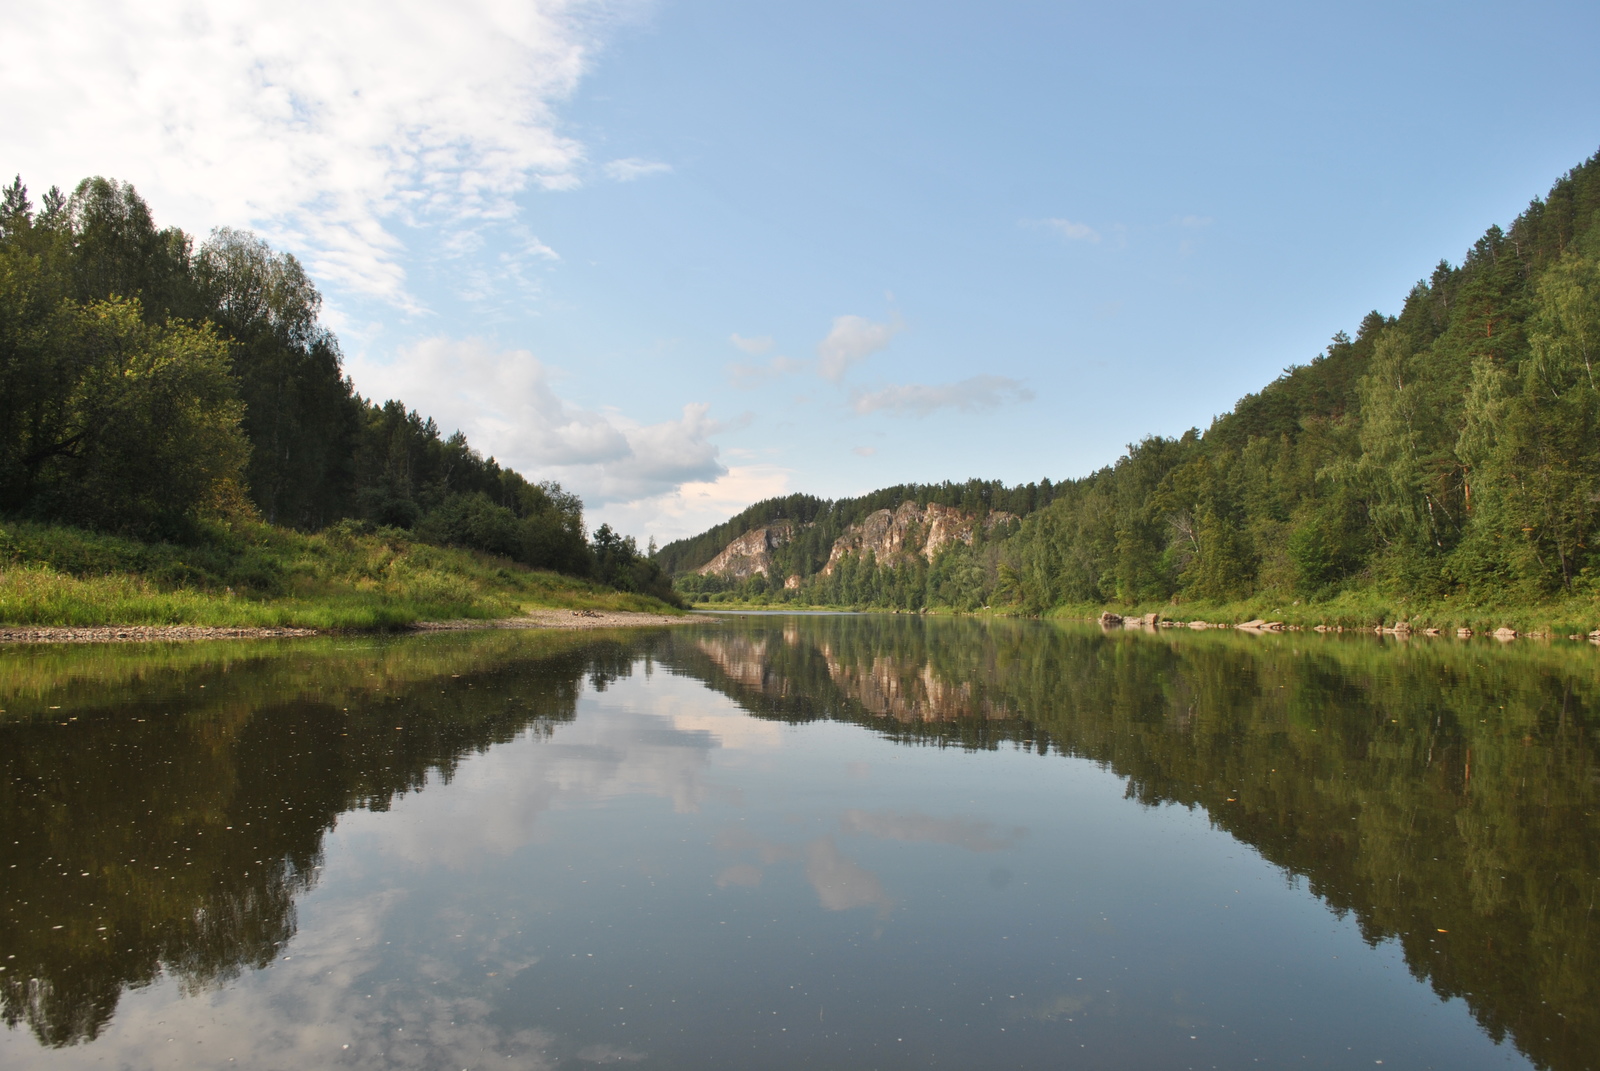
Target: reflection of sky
(669,882)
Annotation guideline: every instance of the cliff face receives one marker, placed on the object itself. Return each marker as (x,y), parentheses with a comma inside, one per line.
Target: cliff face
(750,553)
(891,536)
(911,529)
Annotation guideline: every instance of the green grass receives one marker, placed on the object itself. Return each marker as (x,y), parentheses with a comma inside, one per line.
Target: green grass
(1575,615)
(1359,609)
(263,576)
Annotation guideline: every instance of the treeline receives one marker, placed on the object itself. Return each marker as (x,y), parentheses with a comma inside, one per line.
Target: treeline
(1450,450)
(150,385)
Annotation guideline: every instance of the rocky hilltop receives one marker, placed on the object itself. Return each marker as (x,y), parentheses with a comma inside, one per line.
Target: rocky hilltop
(889,535)
(910,529)
(751,553)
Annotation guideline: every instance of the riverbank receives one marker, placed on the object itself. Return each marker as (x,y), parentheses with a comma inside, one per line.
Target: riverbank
(1573,618)
(567,620)
(262,580)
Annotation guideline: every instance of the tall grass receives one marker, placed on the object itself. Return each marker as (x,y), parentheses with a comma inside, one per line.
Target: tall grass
(256,575)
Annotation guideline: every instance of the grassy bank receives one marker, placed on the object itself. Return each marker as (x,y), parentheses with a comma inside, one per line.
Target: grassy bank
(256,575)
(1577,615)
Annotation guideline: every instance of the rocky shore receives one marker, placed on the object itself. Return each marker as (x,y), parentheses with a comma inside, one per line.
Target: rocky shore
(557,619)
(1399,628)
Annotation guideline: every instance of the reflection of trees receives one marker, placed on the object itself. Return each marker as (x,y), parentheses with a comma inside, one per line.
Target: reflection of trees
(166,816)
(1446,794)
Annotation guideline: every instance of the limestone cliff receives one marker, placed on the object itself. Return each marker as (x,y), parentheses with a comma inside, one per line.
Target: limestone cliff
(890,535)
(911,529)
(750,553)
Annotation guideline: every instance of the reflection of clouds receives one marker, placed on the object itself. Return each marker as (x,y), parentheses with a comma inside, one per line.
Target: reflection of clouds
(962,832)
(318,1006)
(628,742)
(743,874)
(608,1054)
(840,883)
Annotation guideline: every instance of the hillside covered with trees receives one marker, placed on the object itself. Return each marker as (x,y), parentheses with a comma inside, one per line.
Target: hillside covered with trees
(1451,450)
(152,386)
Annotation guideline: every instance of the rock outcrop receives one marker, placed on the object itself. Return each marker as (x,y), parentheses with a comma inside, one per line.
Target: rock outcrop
(891,535)
(750,553)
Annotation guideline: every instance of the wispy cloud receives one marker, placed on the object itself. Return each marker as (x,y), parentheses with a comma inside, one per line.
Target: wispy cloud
(755,347)
(1073,232)
(328,127)
(851,340)
(920,399)
(634,168)
(1194,221)
(864,451)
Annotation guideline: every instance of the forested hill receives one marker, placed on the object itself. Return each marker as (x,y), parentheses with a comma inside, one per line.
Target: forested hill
(150,384)
(1451,449)
(830,518)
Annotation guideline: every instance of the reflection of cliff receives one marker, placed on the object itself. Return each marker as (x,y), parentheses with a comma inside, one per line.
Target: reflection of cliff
(162,819)
(881,688)
(1447,795)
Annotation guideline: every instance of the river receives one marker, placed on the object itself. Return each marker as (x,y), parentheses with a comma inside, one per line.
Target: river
(820,841)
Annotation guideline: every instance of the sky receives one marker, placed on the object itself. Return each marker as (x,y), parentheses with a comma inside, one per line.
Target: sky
(683,255)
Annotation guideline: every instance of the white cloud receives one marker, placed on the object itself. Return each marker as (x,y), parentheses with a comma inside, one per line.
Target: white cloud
(864,451)
(634,168)
(920,399)
(852,340)
(696,505)
(506,404)
(1074,232)
(755,347)
(327,126)
(1194,221)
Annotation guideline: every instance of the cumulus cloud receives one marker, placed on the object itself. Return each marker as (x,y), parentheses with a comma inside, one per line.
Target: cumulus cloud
(755,347)
(697,505)
(327,126)
(505,402)
(920,399)
(634,168)
(1073,232)
(852,340)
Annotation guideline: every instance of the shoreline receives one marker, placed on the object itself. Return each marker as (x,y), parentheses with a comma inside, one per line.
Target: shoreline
(568,620)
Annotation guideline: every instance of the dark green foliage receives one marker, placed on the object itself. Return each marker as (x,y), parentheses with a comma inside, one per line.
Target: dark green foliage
(145,385)
(619,563)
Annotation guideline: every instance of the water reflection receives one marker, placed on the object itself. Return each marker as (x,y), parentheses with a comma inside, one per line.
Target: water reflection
(1446,794)
(165,809)
(171,816)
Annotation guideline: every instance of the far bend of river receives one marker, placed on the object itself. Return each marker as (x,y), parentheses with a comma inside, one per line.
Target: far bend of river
(828,842)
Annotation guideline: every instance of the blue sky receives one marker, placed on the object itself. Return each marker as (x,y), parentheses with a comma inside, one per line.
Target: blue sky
(684,255)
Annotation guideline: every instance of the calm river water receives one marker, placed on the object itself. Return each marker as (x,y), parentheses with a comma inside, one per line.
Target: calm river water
(801,842)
